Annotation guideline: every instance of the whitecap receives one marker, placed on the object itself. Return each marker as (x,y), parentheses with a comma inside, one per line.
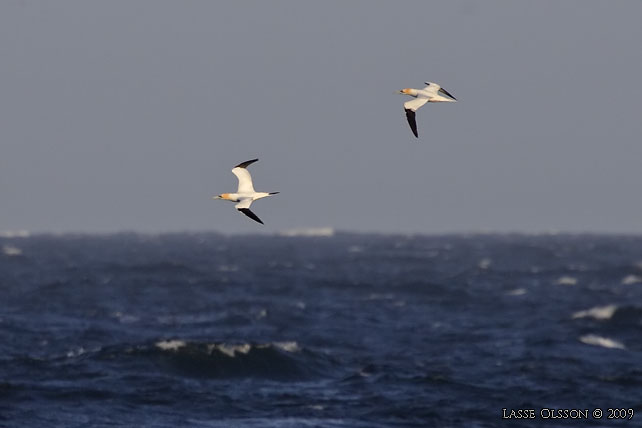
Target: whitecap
(14,234)
(124,318)
(287,346)
(631,279)
(310,231)
(598,312)
(10,250)
(605,342)
(484,263)
(76,352)
(517,292)
(230,350)
(170,345)
(566,280)
(364,373)
(316,407)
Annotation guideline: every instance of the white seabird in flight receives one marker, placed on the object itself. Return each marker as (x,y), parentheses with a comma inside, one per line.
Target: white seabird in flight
(432,93)
(245,194)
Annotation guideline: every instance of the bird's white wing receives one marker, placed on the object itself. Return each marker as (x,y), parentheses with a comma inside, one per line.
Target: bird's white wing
(245,203)
(434,90)
(415,104)
(411,107)
(245,180)
(431,89)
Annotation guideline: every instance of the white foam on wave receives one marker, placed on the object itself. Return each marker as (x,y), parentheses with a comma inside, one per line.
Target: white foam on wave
(309,231)
(76,352)
(631,279)
(517,292)
(171,345)
(10,250)
(605,342)
(484,263)
(79,350)
(287,346)
(316,407)
(598,312)
(124,318)
(566,280)
(14,234)
(230,350)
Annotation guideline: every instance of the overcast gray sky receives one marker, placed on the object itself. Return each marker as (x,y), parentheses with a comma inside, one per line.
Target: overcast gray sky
(129,115)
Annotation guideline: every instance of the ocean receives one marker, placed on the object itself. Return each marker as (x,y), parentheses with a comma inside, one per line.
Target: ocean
(337,330)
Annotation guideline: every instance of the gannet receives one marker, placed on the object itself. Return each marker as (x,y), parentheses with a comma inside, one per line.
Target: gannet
(245,194)
(432,93)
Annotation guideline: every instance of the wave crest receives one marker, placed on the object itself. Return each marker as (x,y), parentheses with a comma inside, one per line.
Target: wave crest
(274,360)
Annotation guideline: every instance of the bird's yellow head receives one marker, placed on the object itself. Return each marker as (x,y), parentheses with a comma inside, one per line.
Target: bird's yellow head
(409,91)
(223,196)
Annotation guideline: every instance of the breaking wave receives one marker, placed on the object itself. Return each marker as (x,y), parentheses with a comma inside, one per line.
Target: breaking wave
(605,342)
(284,361)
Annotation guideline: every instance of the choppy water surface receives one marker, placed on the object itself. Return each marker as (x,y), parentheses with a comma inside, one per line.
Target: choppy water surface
(206,330)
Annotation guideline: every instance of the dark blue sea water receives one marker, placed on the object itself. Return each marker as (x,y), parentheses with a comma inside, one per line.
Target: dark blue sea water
(207,330)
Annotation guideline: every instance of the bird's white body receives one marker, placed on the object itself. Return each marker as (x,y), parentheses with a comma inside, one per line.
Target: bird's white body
(432,93)
(245,194)
(240,197)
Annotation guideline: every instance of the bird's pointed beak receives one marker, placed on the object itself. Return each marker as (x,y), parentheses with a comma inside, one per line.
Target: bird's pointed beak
(217,197)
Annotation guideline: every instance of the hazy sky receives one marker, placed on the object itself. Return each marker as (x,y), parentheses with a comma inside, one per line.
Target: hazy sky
(129,115)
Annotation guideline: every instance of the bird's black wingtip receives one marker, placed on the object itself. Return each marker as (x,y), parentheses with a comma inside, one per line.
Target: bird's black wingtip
(250,214)
(410,115)
(246,163)
(445,92)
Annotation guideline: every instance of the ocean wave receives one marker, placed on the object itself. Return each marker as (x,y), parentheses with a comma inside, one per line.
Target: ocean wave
(598,312)
(605,342)
(171,345)
(279,360)
(485,263)
(617,317)
(631,279)
(310,231)
(15,234)
(566,280)
(10,250)
(273,360)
